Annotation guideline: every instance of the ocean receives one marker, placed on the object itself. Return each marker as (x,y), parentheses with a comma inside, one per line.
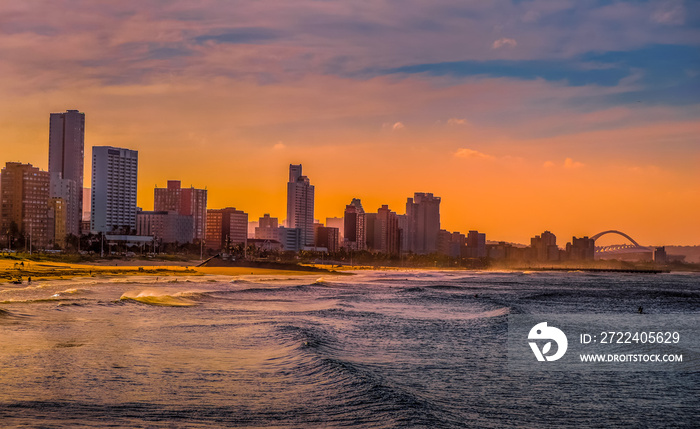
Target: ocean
(376,349)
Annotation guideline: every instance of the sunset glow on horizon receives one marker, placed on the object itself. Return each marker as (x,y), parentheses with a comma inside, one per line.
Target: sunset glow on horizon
(575,117)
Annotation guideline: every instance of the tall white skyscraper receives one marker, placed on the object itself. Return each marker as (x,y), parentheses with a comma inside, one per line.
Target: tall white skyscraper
(66,161)
(113,205)
(300,205)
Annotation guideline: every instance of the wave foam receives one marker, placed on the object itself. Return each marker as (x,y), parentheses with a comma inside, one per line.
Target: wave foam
(179,299)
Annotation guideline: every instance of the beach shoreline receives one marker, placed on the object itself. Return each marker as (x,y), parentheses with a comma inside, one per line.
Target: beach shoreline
(21,270)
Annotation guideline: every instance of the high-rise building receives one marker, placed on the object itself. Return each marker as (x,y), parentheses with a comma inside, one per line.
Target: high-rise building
(214,229)
(337,222)
(423,219)
(451,244)
(581,249)
(354,222)
(405,230)
(113,202)
(226,227)
(383,233)
(67,191)
(544,247)
(476,245)
(290,239)
(57,222)
(66,163)
(300,205)
(25,198)
(327,237)
(184,201)
(87,193)
(268,228)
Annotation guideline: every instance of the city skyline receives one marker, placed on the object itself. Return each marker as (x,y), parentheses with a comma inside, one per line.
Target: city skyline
(521,116)
(294,174)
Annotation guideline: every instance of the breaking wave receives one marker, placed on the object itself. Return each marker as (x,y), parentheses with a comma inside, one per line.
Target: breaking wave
(179,299)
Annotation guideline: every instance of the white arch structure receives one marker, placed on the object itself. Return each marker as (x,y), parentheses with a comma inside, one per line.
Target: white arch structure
(618,247)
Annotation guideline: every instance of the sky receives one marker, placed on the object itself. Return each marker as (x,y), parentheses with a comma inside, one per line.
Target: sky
(571,116)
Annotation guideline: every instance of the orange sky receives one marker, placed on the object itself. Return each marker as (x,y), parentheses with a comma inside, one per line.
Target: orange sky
(229,105)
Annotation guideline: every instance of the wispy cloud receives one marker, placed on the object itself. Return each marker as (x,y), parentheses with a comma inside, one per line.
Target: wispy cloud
(250,35)
(396,126)
(455,121)
(570,163)
(670,12)
(504,42)
(471,154)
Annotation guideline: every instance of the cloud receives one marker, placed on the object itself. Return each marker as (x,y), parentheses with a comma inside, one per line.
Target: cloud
(504,42)
(455,121)
(470,154)
(531,16)
(671,12)
(279,146)
(591,69)
(570,163)
(396,126)
(250,35)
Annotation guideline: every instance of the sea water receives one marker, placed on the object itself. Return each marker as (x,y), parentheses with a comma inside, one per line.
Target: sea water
(373,349)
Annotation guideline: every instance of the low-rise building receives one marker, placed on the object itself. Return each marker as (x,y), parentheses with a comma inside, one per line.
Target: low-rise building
(165,226)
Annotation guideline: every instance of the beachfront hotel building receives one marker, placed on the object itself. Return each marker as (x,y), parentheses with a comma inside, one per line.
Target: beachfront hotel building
(354,236)
(226,227)
(184,201)
(268,228)
(290,239)
(113,200)
(544,247)
(165,226)
(66,161)
(327,238)
(300,205)
(25,198)
(383,233)
(423,223)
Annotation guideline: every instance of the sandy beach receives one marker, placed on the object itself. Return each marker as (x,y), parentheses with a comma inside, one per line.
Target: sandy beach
(12,270)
